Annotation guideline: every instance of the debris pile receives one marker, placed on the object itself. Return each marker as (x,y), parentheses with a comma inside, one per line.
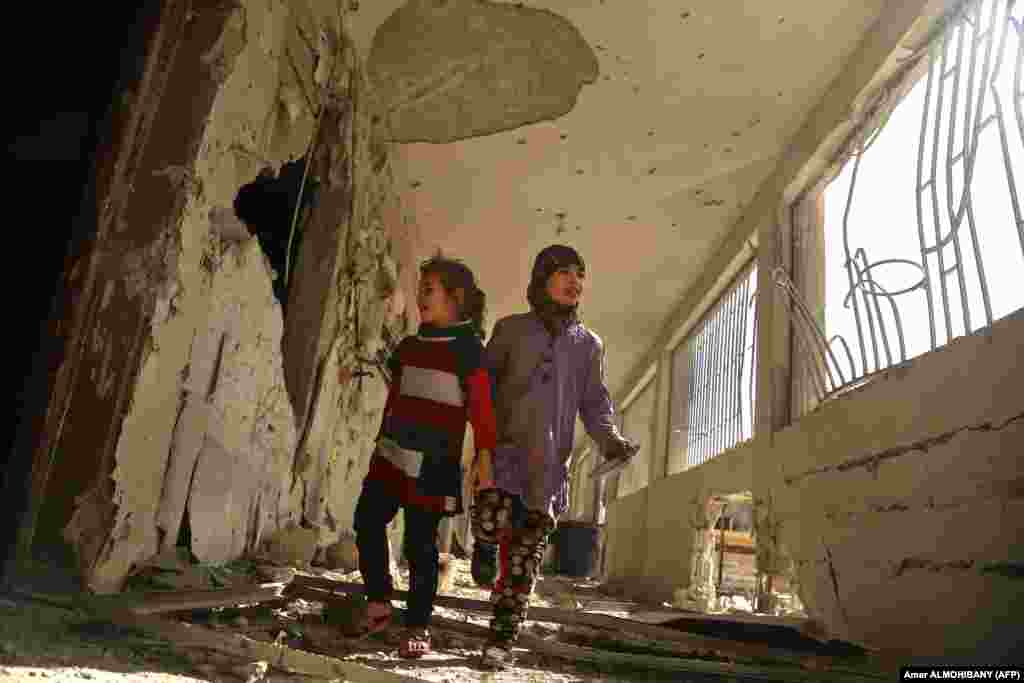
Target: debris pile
(257,619)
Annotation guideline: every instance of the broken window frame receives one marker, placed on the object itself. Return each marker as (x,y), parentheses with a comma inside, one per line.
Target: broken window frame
(950,263)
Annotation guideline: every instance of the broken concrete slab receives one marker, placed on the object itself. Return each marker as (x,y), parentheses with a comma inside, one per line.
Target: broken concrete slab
(455,69)
(279,657)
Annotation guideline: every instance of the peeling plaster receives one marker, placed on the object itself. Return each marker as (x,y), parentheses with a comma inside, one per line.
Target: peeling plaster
(209,422)
(221,57)
(444,72)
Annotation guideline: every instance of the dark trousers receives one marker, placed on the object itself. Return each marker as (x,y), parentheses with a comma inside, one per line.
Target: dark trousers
(374,511)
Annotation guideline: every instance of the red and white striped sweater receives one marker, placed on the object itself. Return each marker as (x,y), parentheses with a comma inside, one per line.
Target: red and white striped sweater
(438,383)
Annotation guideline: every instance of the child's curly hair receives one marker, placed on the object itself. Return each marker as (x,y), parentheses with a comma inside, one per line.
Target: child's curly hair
(456,275)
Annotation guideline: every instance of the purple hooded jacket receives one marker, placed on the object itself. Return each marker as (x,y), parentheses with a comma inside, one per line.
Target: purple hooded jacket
(541,384)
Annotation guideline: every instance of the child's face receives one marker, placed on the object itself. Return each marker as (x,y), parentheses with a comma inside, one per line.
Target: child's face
(565,285)
(436,305)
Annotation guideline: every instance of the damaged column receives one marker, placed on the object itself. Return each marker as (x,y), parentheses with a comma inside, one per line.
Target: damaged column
(702,593)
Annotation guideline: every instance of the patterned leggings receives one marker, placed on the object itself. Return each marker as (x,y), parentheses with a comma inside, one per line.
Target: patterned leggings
(500,518)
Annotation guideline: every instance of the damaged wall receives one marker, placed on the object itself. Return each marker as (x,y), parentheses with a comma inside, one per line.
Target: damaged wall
(248,421)
(895,509)
(448,70)
(679,513)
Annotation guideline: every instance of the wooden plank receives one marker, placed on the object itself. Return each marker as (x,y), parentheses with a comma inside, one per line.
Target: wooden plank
(162,602)
(608,658)
(306,591)
(278,656)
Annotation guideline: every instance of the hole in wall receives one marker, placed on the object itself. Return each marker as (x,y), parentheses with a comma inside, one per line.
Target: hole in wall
(735,554)
(267,207)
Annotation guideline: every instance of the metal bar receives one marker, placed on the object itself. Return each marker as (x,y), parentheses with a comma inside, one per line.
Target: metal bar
(808,334)
(880,292)
(919,199)
(846,347)
(714,385)
(729,351)
(802,310)
(694,418)
(722,359)
(691,359)
(735,372)
(714,356)
(698,396)
(695,406)
(873,290)
(725,379)
(704,399)
(750,342)
(1011,185)
(934,194)
(713,344)
(848,264)
(814,371)
(718,387)
(979,263)
(861,290)
(989,84)
(753,359)
(729,435)
(955,215)
(1019,114)
(744,315)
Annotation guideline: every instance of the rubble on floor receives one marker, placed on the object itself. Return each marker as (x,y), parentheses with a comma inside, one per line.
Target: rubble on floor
(298,628)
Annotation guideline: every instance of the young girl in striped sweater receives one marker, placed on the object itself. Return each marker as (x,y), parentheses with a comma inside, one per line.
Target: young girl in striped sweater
(438,383)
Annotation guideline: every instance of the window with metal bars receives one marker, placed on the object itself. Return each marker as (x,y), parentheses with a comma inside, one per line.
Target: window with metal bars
(924,225)
(712,383)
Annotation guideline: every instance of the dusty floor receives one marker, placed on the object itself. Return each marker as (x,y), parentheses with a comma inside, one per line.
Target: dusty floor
(48,641)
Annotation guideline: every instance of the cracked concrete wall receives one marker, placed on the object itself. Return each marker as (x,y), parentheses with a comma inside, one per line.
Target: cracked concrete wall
(895,510)
(209,424)
(900,504)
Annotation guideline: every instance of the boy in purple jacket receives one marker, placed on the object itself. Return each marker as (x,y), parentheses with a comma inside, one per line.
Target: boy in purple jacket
(546,368)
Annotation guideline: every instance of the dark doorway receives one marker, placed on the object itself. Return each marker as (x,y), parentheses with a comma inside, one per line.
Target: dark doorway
(63,119)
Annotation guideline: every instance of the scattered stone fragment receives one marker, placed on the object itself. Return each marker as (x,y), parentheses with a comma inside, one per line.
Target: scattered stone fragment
(253,672)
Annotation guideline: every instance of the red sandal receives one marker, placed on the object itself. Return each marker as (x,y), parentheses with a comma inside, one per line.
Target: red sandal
(378,618)
(415,643)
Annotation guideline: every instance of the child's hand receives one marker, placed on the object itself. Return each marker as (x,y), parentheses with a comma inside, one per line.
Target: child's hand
(484,471)
(622,450)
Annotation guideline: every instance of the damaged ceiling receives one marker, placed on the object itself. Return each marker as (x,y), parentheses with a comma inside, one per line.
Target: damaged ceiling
(636,136)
